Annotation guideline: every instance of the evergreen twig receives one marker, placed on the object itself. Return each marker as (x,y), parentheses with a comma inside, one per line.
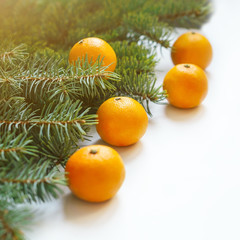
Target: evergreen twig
(47,105)
(13,220)
(14,54)
(149,27)
(32,181)
(14,146)
(64,119)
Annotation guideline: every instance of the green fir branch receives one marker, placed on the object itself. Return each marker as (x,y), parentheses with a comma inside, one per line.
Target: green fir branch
(13,55)
(134,56)
(43,24)
(30,182)
(47,80)
(48,105)
(13,220)
(15,146)
(145,25)
(138,80)
(9,87)
(56,148)
(141,87)
(182,13)
(129,49)
(64,119)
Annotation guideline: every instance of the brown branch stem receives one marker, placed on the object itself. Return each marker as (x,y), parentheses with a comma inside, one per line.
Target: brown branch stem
(25,181)
(7,228)
(12,149)
(62,78)
(164,43)
(175,16)
(6,54)
(26,122)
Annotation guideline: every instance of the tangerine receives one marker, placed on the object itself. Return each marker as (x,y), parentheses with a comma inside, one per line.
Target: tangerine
(95,173)
(94,47)
(192,47)
(186,85)
(122,121)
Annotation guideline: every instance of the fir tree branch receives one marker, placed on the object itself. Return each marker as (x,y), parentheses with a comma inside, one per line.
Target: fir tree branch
(42,122)
(27,181)
(134,56)
(30,182)
(181,13)
(13,55)
(141,87)
(136,67)
(45,104)
(65,78)
(91,18)
(148,26)
(12,219)
(57,148)
(63,119)
(50,81)
(174,17)
(8,231)
(9,87)
(15,146)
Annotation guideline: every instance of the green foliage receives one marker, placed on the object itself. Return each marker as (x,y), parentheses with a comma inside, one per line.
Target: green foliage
(47,106)
(136,68)
(59,24)
(31,182)
(149,28)
(13,219)
(15,146)
(182,13)
(140,87)
(59,119)
(11,55)
(134,56)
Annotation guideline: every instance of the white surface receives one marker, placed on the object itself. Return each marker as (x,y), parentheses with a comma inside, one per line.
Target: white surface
(183,177)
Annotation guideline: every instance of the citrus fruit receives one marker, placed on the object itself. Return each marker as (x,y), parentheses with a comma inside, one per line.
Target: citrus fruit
(93,48)
(186,85)
(192,47)
(95,173)
(122,121)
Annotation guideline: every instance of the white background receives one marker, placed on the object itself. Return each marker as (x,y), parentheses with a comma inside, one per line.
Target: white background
(183,177)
